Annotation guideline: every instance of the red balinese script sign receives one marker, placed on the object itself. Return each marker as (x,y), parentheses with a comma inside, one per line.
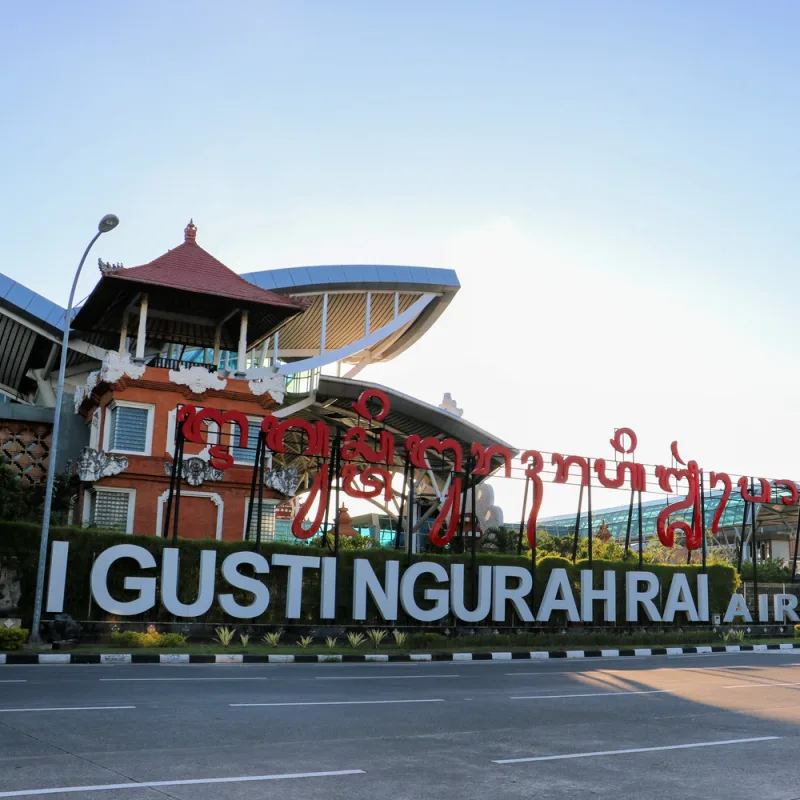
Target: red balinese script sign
(365,469)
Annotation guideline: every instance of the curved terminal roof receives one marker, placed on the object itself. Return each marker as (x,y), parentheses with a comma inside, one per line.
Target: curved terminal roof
(362,300)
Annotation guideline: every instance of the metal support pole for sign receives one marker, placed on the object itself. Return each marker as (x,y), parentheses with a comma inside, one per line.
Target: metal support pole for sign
(260,518)
(688,551)
(398,527)
(338,504)
(533,547)
(524,512)
(474,527)
(754,548)
(331,471)
(796,544)
(741,537)
(641,531)
(463,506)
(410,515)
(577,526)
(172,479)
(178,483)
(628,528)
(251,505)
(589,507)
(704,544)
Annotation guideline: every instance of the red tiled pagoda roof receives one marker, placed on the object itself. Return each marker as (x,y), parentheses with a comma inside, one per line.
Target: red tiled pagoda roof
(191,269)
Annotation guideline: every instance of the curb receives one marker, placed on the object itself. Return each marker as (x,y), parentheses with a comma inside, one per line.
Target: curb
(354,658)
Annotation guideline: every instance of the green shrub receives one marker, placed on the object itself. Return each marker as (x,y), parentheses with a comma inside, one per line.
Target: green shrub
(797,631)
(12,638)
(149,639)
(127,639)
(171,640)
(418,640)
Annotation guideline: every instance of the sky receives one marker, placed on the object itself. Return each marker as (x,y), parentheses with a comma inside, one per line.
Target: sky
(615,184)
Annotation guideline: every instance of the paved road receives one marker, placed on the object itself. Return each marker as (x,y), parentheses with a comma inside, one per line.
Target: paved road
(721,726)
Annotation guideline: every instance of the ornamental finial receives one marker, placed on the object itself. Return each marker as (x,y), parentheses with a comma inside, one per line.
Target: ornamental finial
(190,232)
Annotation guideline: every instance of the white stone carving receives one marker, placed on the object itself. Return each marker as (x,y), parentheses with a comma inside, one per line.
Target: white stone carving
(115,365)
(448,404)
(195,471)
(95,464)
(262,380)
(82,392)
(198,379)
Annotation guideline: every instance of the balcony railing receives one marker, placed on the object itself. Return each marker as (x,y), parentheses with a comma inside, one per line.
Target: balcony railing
(176,363)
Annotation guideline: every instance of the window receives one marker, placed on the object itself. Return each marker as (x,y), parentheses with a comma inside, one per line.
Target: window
(267,521)
(129,428)
(111,509)
(246,455)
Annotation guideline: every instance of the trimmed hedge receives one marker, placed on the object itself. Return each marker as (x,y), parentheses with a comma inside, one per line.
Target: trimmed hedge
(21,541)
(13,638)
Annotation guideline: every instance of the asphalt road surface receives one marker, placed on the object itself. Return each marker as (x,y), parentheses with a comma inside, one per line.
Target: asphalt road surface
(711,726)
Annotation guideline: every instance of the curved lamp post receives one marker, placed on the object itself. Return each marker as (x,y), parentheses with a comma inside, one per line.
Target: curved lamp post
(108,223)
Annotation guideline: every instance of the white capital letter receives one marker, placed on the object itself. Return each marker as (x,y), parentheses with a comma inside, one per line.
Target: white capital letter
(608,594)
(364,578)
(230,571)
(169,583)
(440,596)
(785,605)
(558,584)
(146,586)
(516,596)
(457,593)
(58,577)
(737,608)
(294,581)
(680,599)
(633,596)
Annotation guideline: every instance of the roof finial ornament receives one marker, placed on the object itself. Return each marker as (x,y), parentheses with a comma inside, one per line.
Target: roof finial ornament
(190,232)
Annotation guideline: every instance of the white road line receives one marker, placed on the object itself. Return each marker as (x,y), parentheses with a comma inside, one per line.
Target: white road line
(193,782)
(758,685)
(335,703)
(542,673)
(634,750)
(588,694)
(135,680)
(380,677)
(17,681)
(70,708)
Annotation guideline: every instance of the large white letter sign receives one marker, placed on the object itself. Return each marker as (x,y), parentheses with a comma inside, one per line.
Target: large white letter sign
(517,596)
(146,586)
(294,582)
(328,589)
(385,597)
(170,568)
(703,611)
(57,577)
(737,608)
(633,596)
(784,605)
(440,596)
(680,599)
(558,584)
(484,603)
(608,594)
(230,571)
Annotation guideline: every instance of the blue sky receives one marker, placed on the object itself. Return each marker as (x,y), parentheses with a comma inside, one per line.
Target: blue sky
(615,183)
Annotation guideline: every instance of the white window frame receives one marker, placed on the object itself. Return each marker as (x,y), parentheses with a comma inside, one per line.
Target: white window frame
(94,429)
(148,445)
(267,501)
(86,511)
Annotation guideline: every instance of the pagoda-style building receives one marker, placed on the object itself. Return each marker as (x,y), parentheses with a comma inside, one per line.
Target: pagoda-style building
(184,302)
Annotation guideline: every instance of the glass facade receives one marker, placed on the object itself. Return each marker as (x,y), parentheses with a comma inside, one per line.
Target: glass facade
(616,518)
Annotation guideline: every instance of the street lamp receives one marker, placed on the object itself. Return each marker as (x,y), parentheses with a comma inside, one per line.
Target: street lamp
(108,223)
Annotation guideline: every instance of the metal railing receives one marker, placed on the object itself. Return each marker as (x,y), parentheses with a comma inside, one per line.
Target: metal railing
(176,363)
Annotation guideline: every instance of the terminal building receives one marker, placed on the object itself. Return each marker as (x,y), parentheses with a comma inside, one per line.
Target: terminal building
(186,329)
